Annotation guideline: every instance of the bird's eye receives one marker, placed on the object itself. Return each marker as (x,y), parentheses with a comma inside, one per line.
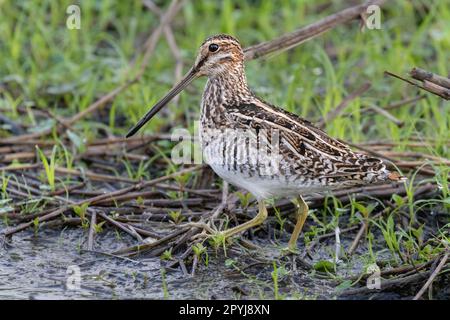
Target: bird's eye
(213,47)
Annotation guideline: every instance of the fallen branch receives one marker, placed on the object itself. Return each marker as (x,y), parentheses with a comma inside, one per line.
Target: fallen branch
(92,224)
(389,284)
(308,32)
(387,115)
(427,86)
(432,277)
(109,196)
(424,75)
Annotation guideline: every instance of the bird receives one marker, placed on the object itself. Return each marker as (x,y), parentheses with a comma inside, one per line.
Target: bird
(262,148)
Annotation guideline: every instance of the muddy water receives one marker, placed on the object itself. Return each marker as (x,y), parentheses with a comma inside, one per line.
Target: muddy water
(41,267)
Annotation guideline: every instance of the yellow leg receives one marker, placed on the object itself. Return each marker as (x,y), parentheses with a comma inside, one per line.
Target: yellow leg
(260,217)
(302,214)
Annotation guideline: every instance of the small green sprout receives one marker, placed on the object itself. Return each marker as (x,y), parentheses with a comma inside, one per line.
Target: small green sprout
(176,216)
(80,211)
(167,255)
(49,167)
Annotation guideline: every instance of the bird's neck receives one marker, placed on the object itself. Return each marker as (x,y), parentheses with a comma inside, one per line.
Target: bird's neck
(227,88)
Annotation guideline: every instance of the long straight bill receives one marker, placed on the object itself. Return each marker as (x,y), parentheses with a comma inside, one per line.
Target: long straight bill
(191,75)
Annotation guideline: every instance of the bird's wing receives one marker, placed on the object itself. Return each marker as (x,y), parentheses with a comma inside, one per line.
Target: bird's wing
(305,144)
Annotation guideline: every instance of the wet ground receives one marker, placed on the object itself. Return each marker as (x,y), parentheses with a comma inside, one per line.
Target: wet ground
(45,266)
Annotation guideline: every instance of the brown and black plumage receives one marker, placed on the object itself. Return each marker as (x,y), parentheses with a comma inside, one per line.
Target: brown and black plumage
(262,148)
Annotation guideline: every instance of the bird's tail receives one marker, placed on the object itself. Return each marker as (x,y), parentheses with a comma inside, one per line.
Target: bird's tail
(395,176)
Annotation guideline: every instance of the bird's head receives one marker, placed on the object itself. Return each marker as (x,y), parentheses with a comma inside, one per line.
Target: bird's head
(217,55)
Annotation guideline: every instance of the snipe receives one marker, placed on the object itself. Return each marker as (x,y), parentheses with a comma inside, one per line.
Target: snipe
(264,149)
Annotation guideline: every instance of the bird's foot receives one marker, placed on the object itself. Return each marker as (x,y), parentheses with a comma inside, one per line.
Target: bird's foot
(289,250)
(205,233)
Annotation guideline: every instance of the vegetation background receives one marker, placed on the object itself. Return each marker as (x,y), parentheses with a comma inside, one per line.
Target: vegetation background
(49,73)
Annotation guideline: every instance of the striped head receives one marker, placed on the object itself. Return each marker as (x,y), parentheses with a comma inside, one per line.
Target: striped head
(218,54)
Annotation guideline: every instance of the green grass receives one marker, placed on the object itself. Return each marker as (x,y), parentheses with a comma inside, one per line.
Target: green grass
(49,166)
(46,66)
(64,70)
